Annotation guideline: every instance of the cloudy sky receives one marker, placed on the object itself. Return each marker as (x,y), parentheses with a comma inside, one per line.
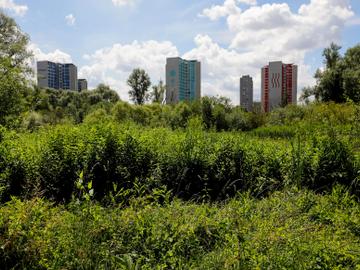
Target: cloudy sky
(106,39)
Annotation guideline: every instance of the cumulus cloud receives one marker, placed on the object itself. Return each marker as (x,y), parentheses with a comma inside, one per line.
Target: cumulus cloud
(10,5)
(55,56)
(263,33)
(217,11)
(222,67)
(229,7)
(276,27)
(123,2)
(248,2)
(70,19)
(113,65)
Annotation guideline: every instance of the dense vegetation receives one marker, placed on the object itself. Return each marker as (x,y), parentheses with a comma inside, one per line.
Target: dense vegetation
(282,195)
(91,182)
(289,230)
(191,162)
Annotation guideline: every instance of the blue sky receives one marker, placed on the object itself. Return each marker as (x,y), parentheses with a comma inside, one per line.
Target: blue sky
(230,37)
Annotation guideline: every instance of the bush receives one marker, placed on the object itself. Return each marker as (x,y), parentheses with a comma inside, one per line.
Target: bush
(121,111)
(335,165)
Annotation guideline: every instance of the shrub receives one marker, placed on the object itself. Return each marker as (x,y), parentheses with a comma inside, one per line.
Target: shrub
(334,164)
(121,111)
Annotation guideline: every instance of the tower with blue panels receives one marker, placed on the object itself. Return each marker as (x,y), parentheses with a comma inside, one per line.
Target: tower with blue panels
(183,80)
(57,75)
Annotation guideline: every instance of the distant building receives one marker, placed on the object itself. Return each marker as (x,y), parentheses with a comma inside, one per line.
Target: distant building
(278,85)
(246,93)
(183,80)
(57,75)
(82,85)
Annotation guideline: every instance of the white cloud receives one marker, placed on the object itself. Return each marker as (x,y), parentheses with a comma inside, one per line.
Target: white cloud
(216,11)
(276,27)
(229,7)
(124,2)
(55,56)
(264,33)
(222,68)
(113,65)
(19,10)
(70,19)
(248,2)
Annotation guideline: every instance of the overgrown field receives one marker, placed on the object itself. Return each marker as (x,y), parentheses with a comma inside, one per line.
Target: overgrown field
(289,230)
(114,192)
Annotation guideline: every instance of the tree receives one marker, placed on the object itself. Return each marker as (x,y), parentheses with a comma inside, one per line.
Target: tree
(307,93)
(329,82)
(207,111)
(329,86)
(14,67)
(157,95)
(340,80)
(13,43)
(106,93)
(351,74)
(332,55)
(139,81)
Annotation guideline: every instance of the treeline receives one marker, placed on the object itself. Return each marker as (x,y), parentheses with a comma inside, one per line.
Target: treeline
(102,105)
(50,107)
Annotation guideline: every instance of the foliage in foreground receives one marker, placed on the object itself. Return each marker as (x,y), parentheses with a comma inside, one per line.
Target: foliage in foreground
(289,230)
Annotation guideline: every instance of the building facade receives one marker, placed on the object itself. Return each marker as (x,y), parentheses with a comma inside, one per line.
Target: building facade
(278,85)
(57,75)
(82,85)
(183,80)
(246,93)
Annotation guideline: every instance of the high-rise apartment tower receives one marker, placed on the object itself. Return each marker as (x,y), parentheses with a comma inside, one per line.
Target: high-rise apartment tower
(183,80)
(82,84)
(278,85)
(57,75)
(246,93)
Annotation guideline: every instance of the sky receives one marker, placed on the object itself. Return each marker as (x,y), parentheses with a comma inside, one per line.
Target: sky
(107,39)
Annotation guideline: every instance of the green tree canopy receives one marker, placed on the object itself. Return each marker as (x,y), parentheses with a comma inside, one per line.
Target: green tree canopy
(106,93)
(340,80)
(351,74)
(332,55)
(14,66)
(139,81)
